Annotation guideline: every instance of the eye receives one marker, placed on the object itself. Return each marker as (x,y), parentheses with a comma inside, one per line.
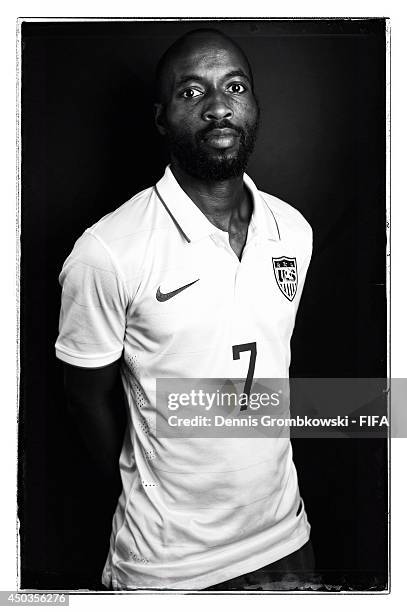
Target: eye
(191,92)
(236,88)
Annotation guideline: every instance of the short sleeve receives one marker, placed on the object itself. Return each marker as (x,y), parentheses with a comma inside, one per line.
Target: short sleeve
(93,306)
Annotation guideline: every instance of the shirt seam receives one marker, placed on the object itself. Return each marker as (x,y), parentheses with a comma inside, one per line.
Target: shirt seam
(61,348)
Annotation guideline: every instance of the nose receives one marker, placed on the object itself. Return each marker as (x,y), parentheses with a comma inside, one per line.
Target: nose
(217,108)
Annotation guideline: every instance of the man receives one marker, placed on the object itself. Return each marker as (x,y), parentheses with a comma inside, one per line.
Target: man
(199,276)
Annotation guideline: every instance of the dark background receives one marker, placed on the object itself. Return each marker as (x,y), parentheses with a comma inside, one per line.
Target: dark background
(89,143)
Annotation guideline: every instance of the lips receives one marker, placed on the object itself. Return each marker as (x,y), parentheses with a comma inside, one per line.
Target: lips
(221,138)
(222,132)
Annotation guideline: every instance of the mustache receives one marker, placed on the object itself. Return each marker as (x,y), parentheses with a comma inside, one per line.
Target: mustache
(218,125)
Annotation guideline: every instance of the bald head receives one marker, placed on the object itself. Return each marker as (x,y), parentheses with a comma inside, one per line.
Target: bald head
(206,107)
(199,43)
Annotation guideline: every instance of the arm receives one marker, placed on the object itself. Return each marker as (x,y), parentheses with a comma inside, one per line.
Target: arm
(95,402)
(92,327)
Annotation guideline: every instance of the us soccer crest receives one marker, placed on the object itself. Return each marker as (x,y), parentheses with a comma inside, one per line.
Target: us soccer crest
(285,271)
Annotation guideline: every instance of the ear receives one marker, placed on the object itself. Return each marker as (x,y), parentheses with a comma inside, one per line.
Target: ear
(159,116)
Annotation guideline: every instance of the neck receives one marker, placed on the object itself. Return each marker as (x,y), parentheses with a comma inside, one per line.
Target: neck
(218,200)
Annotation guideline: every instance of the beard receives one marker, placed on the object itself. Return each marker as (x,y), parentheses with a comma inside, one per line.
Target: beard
(216,165)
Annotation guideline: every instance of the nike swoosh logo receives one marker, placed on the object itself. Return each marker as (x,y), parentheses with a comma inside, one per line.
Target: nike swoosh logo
(163,297)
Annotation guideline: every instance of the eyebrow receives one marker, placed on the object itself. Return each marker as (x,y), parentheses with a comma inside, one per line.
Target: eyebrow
(197,77)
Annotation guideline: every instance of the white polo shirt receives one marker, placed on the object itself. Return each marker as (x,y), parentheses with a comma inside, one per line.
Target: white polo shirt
(154,282)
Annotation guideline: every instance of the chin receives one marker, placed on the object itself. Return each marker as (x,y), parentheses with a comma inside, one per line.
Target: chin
(213,165)
(223,157)
(220,169)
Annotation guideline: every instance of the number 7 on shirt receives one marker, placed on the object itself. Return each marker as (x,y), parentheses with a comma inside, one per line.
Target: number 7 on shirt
(237,350)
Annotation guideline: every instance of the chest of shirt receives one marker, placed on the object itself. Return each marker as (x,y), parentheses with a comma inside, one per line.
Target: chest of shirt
(195,289)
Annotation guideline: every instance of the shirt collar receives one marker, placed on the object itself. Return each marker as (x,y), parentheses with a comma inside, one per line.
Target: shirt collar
(194,225)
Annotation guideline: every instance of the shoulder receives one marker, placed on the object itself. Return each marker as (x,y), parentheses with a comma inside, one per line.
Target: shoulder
(120,238)
(136,216)
(288,218)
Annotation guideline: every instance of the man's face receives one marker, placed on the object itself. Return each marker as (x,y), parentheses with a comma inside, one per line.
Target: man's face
(209,114)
